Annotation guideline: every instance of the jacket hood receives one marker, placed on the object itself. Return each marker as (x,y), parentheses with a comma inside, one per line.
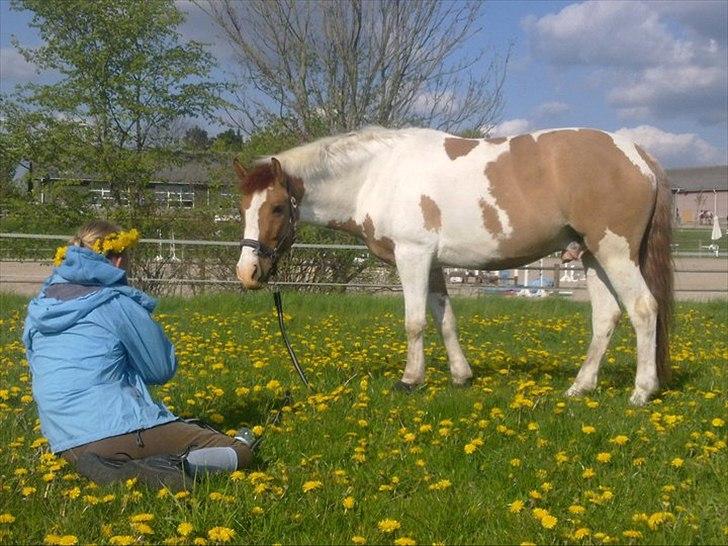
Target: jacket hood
(82,267)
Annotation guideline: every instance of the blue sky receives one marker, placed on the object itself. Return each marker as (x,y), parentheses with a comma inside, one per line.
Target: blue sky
(656,71)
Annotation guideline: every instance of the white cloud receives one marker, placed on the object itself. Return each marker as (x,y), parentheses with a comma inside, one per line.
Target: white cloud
(706,18)
(13,66)
(552,109)
(675,149)
(658,60)
(510,127)
(666,91)
(603,33)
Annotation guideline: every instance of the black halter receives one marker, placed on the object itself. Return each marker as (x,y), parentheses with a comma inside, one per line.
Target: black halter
(285,241)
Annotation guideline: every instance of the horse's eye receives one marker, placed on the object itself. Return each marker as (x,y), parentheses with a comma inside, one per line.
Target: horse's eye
(278,209)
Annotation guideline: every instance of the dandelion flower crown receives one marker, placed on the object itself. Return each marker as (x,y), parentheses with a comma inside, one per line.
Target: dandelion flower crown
(116,243)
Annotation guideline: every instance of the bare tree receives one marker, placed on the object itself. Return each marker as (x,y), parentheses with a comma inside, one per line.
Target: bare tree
(332,66)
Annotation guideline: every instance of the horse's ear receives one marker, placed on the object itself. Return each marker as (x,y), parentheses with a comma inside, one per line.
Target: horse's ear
(277,170)
(239,169)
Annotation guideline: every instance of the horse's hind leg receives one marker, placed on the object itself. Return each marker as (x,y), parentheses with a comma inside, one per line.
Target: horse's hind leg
(641,306)
(439,303)
(605,315)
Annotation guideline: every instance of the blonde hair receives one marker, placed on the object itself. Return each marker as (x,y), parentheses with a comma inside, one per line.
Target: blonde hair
(91,233)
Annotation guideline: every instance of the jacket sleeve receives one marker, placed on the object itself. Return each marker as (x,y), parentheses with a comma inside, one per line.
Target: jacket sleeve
(150,352)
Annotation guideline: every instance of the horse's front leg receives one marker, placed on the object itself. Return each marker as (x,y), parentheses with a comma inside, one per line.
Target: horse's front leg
(413,265)
(441,309)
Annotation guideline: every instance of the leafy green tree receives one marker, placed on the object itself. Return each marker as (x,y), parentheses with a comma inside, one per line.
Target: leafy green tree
(227,141)
(196,138)
(126,74)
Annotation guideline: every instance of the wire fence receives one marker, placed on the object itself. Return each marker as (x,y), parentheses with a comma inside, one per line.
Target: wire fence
(185,266)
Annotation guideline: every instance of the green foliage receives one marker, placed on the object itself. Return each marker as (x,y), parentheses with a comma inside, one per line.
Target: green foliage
(392,452)
(196,138)
(227,141)
(126,75)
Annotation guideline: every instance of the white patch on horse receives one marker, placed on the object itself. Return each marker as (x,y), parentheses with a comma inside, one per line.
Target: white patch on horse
(629,149)
(252,228)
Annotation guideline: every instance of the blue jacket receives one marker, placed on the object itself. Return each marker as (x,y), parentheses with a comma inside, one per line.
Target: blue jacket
(93,347)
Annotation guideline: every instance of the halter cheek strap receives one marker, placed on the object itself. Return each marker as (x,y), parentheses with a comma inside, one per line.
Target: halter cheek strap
(273,253)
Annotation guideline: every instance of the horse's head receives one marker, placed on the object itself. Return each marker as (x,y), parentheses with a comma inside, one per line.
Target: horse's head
(269,209)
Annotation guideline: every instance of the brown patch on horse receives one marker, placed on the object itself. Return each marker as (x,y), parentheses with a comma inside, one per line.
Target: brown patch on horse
(457,147)
(350,227)
(569,179)
(258,179)
(491,222)
(496,140)
(431,213)
(382,248)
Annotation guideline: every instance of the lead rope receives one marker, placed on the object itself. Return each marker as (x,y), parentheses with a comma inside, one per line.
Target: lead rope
(274,419)
(278,300)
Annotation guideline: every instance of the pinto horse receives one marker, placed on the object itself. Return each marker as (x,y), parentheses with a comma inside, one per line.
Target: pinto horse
(422,199)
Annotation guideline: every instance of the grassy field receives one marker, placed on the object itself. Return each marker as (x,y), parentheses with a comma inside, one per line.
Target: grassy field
(509,460)
(691,239)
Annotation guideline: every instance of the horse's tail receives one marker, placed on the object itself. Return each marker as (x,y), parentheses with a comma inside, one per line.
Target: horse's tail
(657,268)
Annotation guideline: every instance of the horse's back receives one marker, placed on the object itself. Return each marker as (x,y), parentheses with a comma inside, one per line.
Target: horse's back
(501,201)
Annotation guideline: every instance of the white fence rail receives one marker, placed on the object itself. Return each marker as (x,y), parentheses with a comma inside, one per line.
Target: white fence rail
(565,278)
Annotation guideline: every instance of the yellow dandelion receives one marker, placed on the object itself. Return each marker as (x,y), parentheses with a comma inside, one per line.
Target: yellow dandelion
(7,518)
(348,503)
(549,521)
(60,255)
(677,462)
(405,541)
(632,533)
(588,429)
(358,539)
(141,517)
(516,506)
(604,457)
(142,528)
(220,534)
(122,540)
(185,528)
(718,422)
(388,525)
(312,485)
(60,540)
(582,532)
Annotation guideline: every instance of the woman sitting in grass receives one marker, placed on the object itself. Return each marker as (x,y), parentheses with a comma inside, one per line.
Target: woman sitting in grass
(93,348)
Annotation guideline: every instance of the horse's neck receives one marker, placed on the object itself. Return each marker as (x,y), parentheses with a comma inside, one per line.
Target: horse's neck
(328,200)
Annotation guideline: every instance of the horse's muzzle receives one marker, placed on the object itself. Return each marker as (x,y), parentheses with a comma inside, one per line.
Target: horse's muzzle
(251,275)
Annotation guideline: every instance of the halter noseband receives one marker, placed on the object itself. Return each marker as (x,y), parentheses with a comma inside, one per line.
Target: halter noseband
(273,254)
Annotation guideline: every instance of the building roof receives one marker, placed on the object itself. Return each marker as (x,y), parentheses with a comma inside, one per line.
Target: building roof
(191,170)
(199,171)
(699,178)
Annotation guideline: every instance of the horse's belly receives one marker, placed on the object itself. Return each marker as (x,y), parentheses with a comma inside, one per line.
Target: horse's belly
(485,251)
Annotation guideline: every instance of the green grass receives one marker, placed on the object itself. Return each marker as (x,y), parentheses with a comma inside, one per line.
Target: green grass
(691,239)
(395,454)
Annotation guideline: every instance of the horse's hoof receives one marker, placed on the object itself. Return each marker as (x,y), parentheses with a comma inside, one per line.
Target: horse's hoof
(573,392)
(639,397)
(463,383)
(405,387)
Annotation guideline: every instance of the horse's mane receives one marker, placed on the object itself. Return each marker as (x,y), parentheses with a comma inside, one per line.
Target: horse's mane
(334,152)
